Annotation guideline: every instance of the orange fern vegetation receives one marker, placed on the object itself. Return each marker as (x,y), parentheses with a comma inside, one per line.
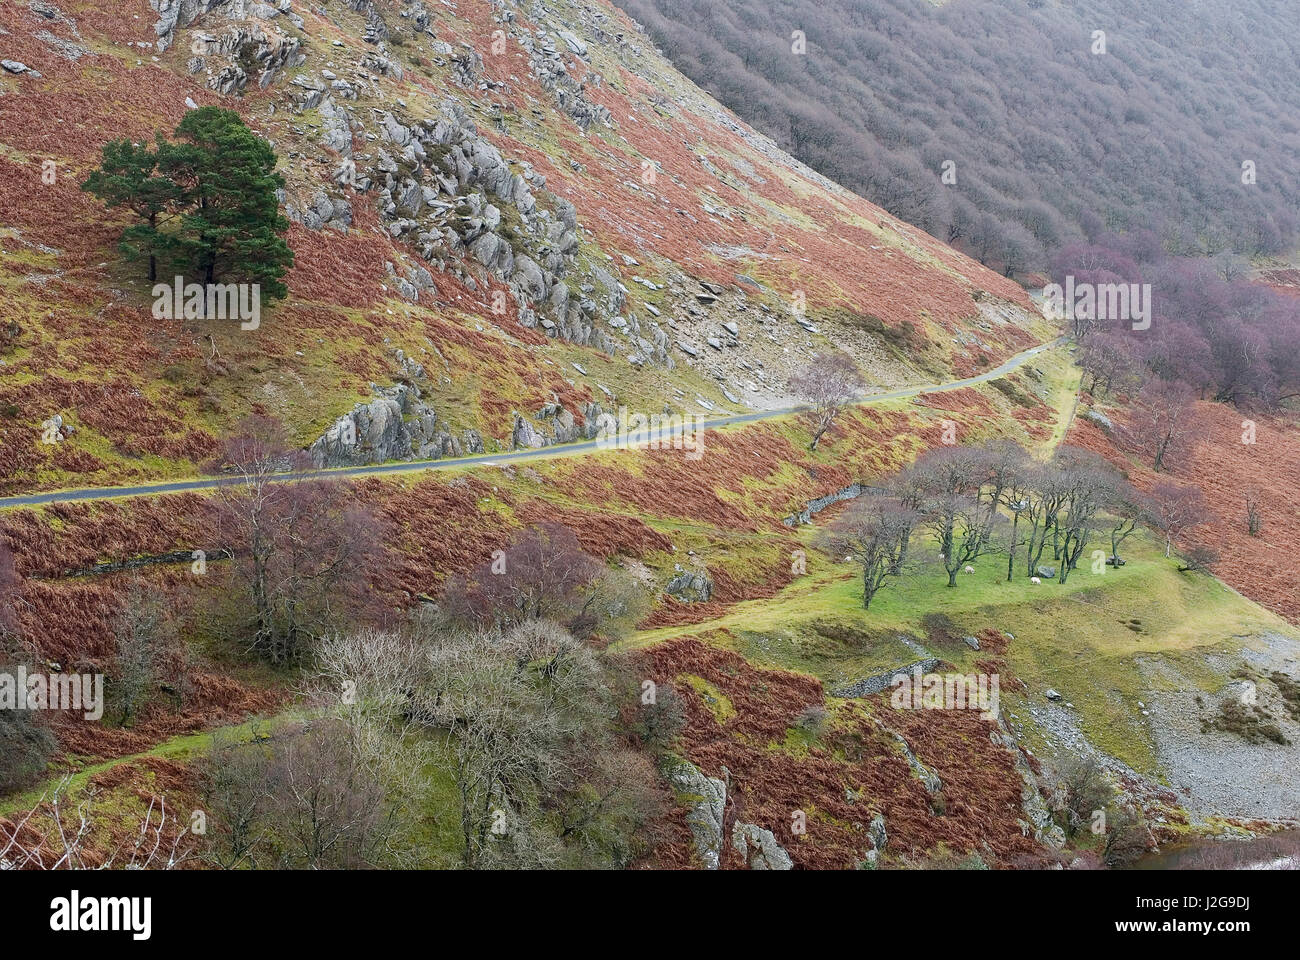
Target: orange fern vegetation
(150,398)
(855,773)
(1227,470)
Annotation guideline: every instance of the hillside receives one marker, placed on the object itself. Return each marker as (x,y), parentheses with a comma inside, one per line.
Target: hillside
(523,241)
(1012,127)
(368,549)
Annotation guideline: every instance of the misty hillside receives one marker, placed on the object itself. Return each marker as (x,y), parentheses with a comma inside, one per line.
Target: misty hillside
(1049,139)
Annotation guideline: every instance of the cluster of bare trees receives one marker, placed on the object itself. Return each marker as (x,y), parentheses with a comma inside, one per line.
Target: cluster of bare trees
(315,795)
(544,574)
(1212,333)
(489,689)
(976,501)
(989,163)
(299,545)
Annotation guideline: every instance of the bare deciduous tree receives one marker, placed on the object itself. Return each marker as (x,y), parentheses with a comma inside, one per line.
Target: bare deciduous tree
(1082,790)
(829,384)
(873,532)
(1175,509)
(10,586)
(49,836)
(1164,423)
(1254,514)
(144,631)
(1129,510)
(543,574)
(1109,363)
(960,513)
(312,795)
(298,543)
(1089,485)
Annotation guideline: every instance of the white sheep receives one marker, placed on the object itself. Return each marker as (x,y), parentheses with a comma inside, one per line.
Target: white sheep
(970,569)
(1035,581)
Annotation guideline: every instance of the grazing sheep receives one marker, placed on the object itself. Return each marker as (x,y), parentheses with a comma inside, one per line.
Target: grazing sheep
(970,569)
(1035,581)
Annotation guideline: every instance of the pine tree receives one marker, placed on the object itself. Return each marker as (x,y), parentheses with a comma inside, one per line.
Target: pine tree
(208,201)
(129,178)
(232,223)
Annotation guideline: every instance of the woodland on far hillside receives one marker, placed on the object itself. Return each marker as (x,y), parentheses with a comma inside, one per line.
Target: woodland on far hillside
(1048,141)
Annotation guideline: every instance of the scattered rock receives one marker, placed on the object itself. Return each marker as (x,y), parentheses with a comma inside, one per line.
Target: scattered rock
(706,800)
(759,848)
(880,681)
(1099,418)
(691,587)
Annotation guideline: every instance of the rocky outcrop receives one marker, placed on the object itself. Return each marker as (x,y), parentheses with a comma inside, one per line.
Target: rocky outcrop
(396,425)
(1037,819)
(759,849)
(451,193)
(560,426)
(550,66)
(874,684)
(691,586)
(706,800)
(1101,420)
(929,779)
(323,211)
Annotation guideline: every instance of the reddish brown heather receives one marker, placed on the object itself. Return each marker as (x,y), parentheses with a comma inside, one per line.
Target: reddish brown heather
(1266,568)
(981,792)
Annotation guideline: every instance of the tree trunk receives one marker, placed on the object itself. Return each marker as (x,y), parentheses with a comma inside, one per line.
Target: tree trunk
(153,259)
(1011,548)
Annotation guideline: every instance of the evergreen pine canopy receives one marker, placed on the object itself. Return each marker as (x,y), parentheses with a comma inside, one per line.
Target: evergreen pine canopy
(207,203)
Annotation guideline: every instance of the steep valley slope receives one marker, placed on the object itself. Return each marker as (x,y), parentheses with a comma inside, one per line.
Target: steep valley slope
(511,220)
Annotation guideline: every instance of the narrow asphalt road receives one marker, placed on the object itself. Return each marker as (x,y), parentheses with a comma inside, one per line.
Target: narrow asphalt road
(490,460)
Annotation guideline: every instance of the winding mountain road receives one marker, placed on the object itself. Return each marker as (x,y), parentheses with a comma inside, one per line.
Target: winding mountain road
(492,460)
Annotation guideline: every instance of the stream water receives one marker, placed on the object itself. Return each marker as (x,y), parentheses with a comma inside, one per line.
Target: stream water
(1276,851)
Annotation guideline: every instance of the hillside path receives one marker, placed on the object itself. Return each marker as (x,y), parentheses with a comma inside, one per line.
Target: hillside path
(497,459)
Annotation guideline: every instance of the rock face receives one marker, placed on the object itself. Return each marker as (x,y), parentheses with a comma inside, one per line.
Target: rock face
(450,192)
(245,44)
(706,799)
(1037,818)
(1046,572)
(690,587)
(878,836)
(1100,419)
(880,681)
(759,849)
(929,779)
(396,425)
